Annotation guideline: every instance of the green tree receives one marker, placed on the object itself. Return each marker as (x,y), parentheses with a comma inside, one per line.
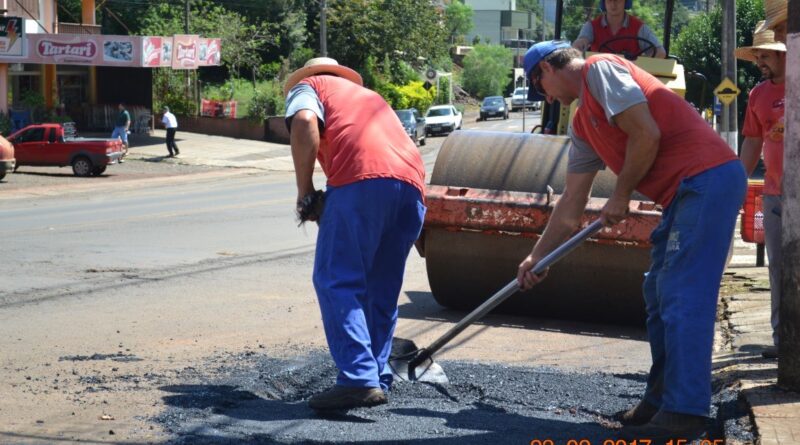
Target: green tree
(699,47)
(458,20)
(487,70)
(404,30)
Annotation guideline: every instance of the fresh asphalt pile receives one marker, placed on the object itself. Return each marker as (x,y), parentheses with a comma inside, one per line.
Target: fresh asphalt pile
(254,398)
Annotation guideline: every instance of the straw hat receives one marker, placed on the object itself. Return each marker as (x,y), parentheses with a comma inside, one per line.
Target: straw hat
(764,39)
(776,13)
(320,65)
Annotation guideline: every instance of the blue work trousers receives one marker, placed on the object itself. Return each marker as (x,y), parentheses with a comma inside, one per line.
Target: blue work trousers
(690,247)
(365,234)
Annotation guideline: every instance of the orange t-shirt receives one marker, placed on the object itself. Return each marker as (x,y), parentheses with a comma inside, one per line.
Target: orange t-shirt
(688,145)
(764,119)
(363,138)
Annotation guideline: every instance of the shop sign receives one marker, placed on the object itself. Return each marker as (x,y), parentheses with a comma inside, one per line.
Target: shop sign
(185,52)
(12,37)
(156,51)
(209,52)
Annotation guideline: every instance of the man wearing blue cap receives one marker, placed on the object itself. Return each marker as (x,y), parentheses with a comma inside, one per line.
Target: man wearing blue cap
(618,32)
(658,145)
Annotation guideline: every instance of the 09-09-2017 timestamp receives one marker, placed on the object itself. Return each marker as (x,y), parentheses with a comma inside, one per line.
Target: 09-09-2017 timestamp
(626,442)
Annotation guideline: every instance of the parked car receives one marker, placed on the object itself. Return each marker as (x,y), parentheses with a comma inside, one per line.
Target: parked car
(413,123)
(493,106)
(520,100)
(442,119)
(7,161)
(45,144)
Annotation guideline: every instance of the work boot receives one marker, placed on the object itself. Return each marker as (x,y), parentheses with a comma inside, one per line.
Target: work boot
(667,426)
(770,352)
(638,415)
(345,397)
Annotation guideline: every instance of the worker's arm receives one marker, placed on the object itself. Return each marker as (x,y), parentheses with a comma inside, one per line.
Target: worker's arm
(661,53)
(565,219)
(581,44)
(751,153)
(305,145)
(640,153)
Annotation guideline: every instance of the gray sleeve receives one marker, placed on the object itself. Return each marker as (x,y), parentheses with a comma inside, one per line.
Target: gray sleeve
(303,97)
(586,32)
(613,87)
(582,158)
(646,33)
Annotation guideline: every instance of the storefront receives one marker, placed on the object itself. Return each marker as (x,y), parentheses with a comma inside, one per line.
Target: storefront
(72,74)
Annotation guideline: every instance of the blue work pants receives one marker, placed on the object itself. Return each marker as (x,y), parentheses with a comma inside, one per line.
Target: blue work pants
(365,234)
(690,247)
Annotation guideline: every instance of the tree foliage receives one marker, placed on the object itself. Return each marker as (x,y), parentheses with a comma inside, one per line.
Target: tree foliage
(700,49)
(458,20)
(404,30)
(487,70)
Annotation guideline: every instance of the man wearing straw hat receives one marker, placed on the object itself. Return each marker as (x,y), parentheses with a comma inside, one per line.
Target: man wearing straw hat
(777,15)
(763,131)
(373,213)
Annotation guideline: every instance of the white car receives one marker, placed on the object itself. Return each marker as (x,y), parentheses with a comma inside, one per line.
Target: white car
(520,99)
(442,119)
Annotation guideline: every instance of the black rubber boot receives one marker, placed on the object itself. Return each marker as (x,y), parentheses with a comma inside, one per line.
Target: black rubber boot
(667,426)
(344,397)
(638,415)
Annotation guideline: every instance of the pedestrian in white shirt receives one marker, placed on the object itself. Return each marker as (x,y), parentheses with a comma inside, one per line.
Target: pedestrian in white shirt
(171,124)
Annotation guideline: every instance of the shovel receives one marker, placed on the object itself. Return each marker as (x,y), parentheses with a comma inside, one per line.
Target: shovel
(408,362)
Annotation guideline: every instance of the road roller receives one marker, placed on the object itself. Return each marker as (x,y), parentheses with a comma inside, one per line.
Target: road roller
(489,199)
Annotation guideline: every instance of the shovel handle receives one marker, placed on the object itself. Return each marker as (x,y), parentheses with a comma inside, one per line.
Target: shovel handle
(507,291)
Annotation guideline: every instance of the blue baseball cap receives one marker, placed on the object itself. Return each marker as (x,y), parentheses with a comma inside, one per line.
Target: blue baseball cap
(534,55)
(628,5)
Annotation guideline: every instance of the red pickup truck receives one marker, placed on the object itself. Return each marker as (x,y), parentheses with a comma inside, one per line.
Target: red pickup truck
(6,157)
(46,144)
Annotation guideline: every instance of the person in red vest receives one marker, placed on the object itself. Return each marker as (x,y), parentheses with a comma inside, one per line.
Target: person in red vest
(373,212)
(763,132)
(616,31)
(658,145)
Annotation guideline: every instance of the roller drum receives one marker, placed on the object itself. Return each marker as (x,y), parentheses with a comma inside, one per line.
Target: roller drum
(596,282)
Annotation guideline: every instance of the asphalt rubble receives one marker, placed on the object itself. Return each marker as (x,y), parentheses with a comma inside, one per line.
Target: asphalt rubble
(254,398)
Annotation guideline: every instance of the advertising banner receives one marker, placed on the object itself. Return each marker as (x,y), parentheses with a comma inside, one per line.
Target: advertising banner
(74,49)
(179,52)
(156,51)
(12,37)
(185,51)
(209,53)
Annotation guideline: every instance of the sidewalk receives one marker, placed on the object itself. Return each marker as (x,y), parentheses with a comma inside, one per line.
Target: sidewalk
(775,412)
(217,151)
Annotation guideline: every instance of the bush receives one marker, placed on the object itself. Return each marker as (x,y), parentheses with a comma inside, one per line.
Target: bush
(487,69)
(416,96)
(267,101)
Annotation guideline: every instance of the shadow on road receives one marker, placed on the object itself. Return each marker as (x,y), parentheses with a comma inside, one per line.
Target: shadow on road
(423,306)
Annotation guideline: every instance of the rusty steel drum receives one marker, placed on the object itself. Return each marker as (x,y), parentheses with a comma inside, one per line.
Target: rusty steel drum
(489,198)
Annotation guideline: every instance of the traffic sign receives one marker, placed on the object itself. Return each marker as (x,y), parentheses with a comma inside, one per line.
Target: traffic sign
(726,91)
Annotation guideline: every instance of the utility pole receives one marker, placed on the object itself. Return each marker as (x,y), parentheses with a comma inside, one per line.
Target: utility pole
(187,78)
(730,127)
(789,329)
(323,28)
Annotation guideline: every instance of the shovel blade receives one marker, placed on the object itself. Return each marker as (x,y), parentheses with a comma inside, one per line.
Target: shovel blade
(428,371)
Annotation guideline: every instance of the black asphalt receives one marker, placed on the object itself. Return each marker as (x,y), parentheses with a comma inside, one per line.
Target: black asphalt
(252,398)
